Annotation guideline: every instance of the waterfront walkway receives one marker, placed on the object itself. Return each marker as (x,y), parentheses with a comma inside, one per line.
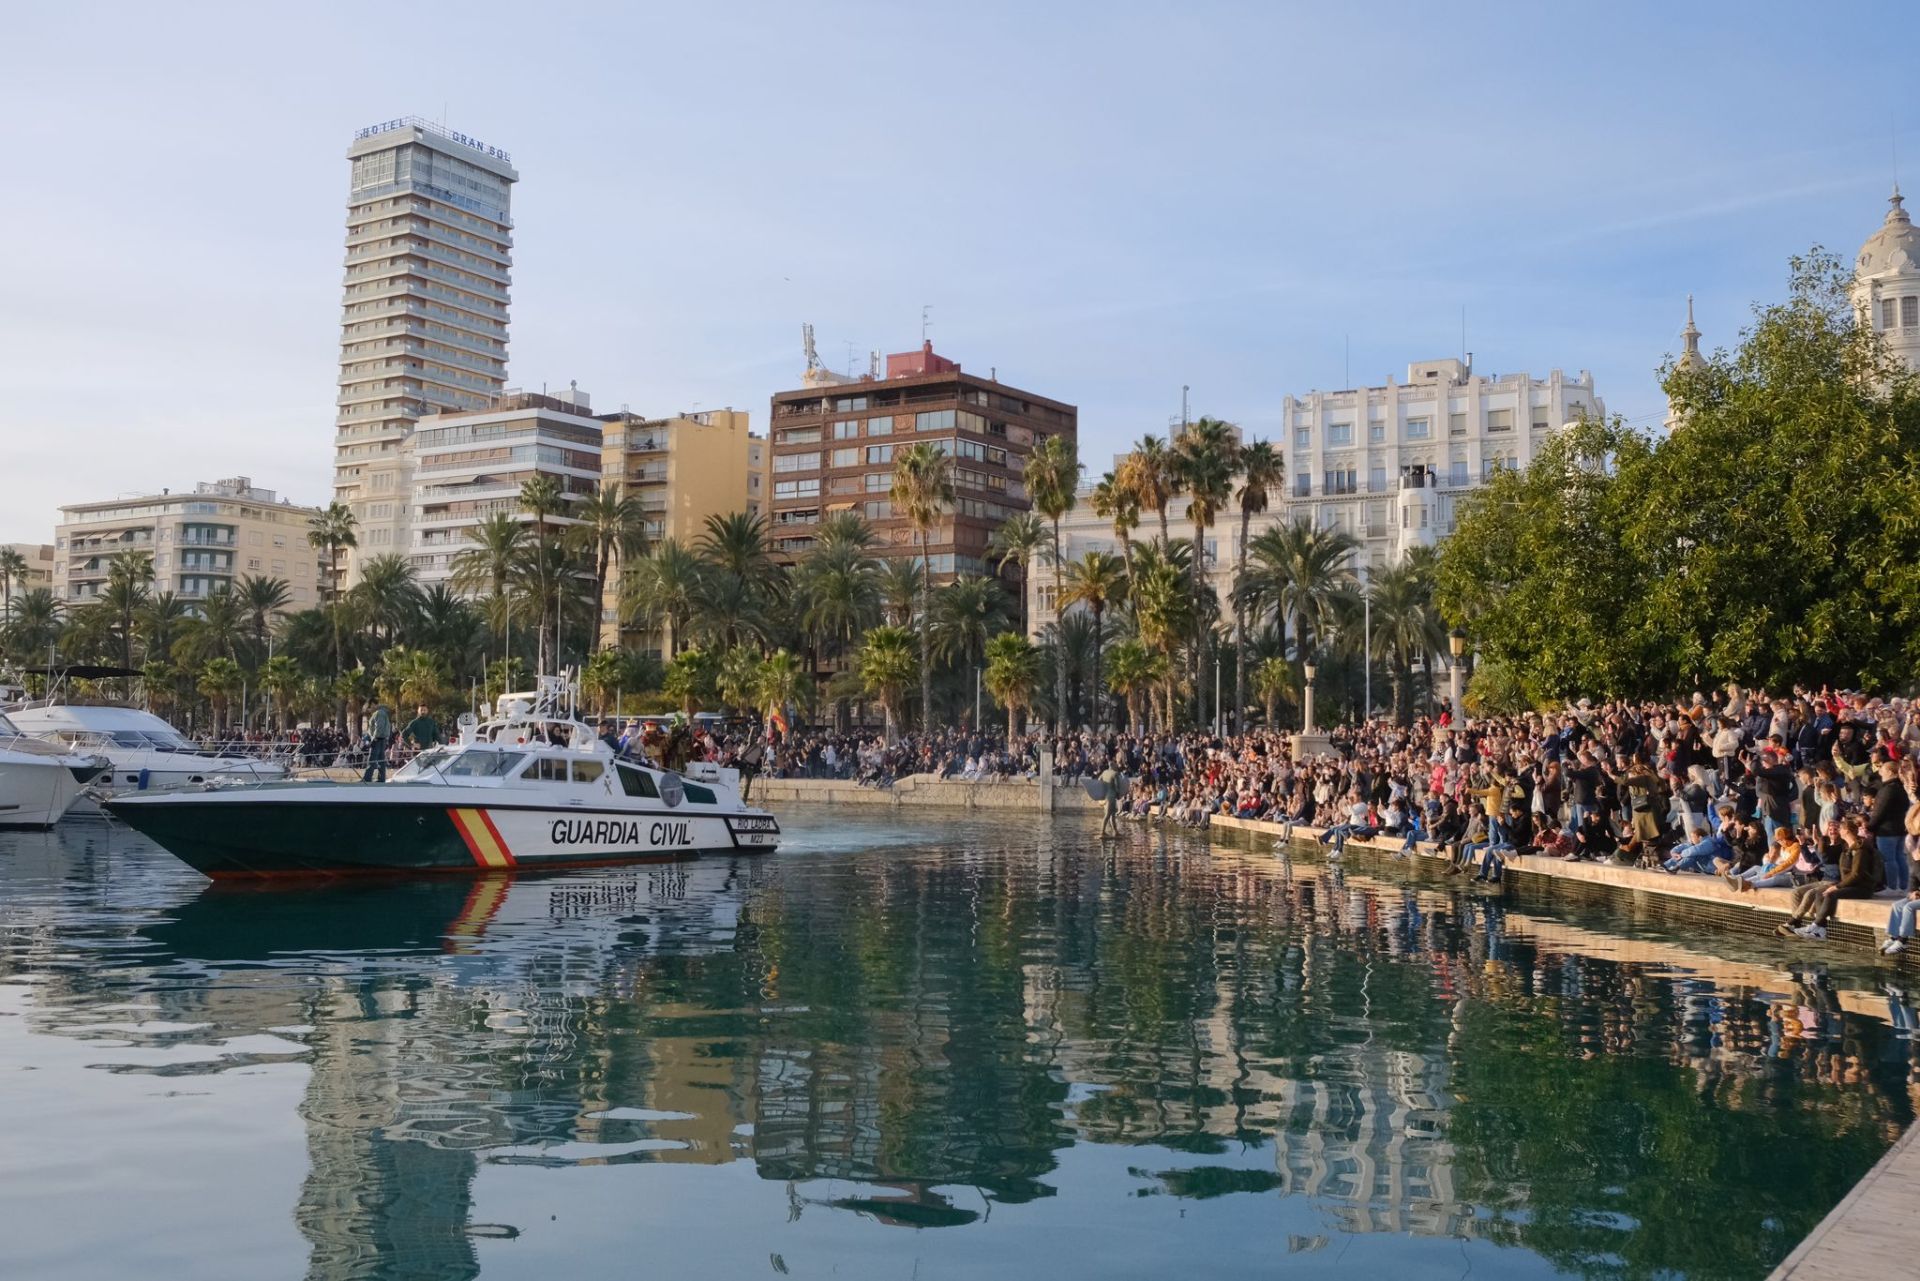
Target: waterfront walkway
(1858,922)
(1871,1233)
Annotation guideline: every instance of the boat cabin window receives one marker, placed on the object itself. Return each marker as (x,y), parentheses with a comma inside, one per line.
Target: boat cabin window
(484,764)
(548,769)
(697,793)
(586,771)
(636,782)
(127,738)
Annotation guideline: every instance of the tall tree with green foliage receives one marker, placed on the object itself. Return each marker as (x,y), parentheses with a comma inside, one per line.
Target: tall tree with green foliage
(923,491)
(887,668)
(1206,458)
(1012,676)
(1053,478)
(1263,470)
(1097,581)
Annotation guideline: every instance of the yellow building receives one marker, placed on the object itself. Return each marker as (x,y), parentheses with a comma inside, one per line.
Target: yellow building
(680,470)
(201,541)
(39,558)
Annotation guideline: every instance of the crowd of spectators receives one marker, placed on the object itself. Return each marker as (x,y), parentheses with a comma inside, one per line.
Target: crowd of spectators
(1813,794)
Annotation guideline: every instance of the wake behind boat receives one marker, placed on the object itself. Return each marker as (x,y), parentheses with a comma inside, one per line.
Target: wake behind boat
(532,788)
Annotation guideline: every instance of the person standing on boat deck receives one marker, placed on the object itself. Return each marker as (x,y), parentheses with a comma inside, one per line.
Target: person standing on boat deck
(380,731)
(422,731)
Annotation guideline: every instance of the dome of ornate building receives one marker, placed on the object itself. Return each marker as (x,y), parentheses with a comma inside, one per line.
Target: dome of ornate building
(1886,282)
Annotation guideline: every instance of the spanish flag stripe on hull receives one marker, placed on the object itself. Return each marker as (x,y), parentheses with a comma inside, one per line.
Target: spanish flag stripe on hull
(481,837)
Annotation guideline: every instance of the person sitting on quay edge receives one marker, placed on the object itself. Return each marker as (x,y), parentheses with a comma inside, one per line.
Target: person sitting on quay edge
(1901,923)
(1775,871)
(1513,834)
(1815,904)
(1702,856)
(1355,825)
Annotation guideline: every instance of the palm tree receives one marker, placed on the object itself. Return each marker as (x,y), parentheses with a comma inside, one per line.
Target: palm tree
(966,612)
(1206,456)
(1131,673)
(1113,501)
(845,527)
(692,678)
(1163,608)
(447,625)
(781,680)
(13,568)
(1263,469)
(331,531)
(1094,581)
(264,599)
(160,622)
(887,668)
(280,677)
(922,490)
(664,586)
(410,677)
(35,625)
(1053,476)
(900,581)
(1301,573)
(1272,680)
(1406,626)
(1020,539)
(219,631)
(616,672)
(1150,474)
(128,574)
(1013,674)
(614,529)
(351,690)
(737,544)
(387,590)
(738,678)
(485,567)
(541,497)
(836,594)
(219,680)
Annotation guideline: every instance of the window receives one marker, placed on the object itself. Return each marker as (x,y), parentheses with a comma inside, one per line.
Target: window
(1499,420)
(1339,434)
(879,426)
(1910,312)
(636,782)
(484,764)
(1419,428)
(1302,437)
(1540,420)
(846,429)
(587,771)
(1302,484)
(801,436)
(1456,424)
(934,420)
(1377,478)
(1457,475)
(880,509)
(846,457)
(1889,312)
(797,462)
(796,488)
(548,769)
(1376,432)
(879,482)
(845,403)
(877,454)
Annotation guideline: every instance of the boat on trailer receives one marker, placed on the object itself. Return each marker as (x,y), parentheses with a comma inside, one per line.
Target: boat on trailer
(531,788)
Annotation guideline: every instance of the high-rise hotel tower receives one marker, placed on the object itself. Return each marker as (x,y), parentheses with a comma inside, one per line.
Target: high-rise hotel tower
(424,327)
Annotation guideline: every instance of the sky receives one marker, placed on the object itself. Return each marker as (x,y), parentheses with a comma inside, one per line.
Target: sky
(1103,203)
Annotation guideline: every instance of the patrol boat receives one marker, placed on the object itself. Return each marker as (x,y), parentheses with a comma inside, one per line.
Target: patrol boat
(531,788)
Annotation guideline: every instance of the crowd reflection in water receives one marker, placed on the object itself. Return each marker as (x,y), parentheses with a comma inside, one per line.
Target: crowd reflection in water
(909,1024)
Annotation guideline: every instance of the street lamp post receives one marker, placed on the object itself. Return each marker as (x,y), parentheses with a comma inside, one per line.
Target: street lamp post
(1306,700)
(1457,647)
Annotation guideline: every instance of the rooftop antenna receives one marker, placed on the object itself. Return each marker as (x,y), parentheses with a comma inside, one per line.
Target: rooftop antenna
(1346,378)
(1465,355)
(924,321)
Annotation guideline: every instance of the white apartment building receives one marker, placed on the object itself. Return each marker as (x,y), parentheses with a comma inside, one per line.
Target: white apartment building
(1886,282)
(424,320)
(466,466)
(200,542)
(1388,465)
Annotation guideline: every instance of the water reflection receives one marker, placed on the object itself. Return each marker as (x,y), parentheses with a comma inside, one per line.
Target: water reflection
(919,1034)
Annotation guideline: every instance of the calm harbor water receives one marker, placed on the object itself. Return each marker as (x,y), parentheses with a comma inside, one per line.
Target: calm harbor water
(923,1048)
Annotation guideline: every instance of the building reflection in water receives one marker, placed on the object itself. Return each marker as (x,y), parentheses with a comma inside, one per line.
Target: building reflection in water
(935,1029)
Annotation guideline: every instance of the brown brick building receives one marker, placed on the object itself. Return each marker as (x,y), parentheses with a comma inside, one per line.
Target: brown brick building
(833,446)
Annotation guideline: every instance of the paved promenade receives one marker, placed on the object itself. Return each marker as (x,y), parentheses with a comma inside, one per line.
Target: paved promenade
(1873,1232)
(1858,924)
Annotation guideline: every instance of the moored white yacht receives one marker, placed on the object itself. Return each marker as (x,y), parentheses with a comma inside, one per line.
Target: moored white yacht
(531,788)
(40,782)
(144,750)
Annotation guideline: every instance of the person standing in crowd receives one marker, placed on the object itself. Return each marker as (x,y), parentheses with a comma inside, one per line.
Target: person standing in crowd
(379,737)
(422,731)
(1887,824)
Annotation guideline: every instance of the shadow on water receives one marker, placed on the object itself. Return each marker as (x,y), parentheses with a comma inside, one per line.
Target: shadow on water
(916,1026)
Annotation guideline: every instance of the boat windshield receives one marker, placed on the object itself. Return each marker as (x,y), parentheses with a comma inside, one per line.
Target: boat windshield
(432,759)
(473,764)
(7,726)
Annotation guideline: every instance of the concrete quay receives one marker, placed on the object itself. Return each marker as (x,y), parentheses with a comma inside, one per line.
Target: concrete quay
(1858,923)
